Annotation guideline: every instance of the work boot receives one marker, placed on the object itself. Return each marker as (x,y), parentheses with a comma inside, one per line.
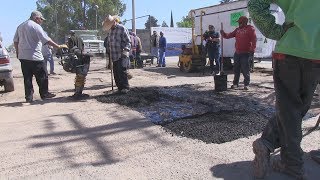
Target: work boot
(246,88)
(79,96)
(261,160)
(78,89)
(280,167)
(315,155)
(124,91)
(129,75)
(234,86)
(48,96)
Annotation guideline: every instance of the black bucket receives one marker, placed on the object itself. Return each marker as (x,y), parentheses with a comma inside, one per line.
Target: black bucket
(220,82)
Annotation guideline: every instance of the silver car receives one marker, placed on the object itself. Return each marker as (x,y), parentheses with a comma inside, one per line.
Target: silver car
(6,78)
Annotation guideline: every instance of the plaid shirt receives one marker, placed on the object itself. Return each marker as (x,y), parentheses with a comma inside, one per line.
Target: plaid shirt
(118,41)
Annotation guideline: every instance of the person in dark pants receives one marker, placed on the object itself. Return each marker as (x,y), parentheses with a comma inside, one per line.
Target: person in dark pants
(108,63)
(28,41)
(118,43)
(135,53)
(154,41)
(75,45)
(212,39)
(245,46)
(296,71)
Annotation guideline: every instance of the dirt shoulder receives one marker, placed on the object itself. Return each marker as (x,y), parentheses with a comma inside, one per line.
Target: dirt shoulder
(171,125)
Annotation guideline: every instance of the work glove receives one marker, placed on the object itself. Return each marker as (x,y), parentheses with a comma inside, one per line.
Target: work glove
(222,32)
(62,46)
(125,54)
(287,26)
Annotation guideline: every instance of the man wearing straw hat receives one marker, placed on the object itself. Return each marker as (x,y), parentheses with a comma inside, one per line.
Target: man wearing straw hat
(118,45)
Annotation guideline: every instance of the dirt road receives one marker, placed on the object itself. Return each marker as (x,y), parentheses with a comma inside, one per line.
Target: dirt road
(171,125)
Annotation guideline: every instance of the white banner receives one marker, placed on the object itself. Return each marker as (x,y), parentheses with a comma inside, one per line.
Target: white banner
(174,35)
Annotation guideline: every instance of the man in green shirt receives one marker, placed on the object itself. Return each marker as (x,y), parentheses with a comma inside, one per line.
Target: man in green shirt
(296,69)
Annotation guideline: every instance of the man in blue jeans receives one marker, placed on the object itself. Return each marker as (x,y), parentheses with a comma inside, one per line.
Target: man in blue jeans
(47,54)
(162,50)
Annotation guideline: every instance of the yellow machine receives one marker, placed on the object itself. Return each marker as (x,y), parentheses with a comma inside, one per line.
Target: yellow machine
(193,57)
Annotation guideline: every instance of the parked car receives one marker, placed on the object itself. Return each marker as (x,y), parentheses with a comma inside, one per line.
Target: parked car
(6,78)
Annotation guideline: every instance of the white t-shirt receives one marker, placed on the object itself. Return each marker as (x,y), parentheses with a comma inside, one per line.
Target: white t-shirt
(30,36)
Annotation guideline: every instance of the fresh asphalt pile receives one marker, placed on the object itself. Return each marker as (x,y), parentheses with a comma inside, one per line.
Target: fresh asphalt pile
(196,111)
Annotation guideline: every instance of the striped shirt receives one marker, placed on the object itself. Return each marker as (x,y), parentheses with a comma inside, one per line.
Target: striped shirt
(118,41)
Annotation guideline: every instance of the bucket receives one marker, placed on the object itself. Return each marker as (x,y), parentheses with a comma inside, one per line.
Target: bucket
(220,82)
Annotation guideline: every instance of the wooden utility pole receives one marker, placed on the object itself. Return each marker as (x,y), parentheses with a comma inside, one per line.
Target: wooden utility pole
(133,17)
(84,13)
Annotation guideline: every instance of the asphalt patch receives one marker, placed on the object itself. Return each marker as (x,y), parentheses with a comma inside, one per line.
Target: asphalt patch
(218,127)
(197,114)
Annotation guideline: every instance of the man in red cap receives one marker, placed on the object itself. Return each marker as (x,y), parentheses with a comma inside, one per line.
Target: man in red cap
(245,46)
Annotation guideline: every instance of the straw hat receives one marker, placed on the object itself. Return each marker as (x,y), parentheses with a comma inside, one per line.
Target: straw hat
(109,21)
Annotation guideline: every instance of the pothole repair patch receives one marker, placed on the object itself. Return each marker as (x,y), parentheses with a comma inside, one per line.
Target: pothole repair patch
(202,115)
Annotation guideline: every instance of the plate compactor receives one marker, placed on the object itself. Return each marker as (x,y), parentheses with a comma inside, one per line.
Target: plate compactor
(193,57)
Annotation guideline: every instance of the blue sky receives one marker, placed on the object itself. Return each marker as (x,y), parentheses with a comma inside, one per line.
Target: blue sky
(14,12)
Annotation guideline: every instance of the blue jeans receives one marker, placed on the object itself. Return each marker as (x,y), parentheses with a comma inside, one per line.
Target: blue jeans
(295,80)
(214,55)
(162,58)
(155,53)
(49,58)
(241,64)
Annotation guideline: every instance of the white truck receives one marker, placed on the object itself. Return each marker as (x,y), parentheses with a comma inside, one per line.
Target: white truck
(228,14)
(92,42)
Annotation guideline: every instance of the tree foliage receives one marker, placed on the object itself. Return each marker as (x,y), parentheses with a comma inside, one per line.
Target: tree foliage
(185,22)
(164,24)
(64,15)
(151,22)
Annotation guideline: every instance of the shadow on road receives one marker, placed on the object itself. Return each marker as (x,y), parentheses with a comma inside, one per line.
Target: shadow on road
(92,139)
(243,170)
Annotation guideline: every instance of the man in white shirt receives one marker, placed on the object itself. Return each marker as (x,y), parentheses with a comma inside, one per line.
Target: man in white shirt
(28,41)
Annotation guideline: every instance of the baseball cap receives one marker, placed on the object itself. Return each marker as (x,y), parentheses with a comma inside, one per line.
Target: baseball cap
(35,14)
(243,19)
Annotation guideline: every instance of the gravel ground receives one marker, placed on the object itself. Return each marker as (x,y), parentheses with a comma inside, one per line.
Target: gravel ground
(171,125)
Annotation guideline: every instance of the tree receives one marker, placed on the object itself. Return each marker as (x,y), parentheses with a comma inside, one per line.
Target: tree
(64,15)
(185,22)
(171,20)
(164,24)
(151,22)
